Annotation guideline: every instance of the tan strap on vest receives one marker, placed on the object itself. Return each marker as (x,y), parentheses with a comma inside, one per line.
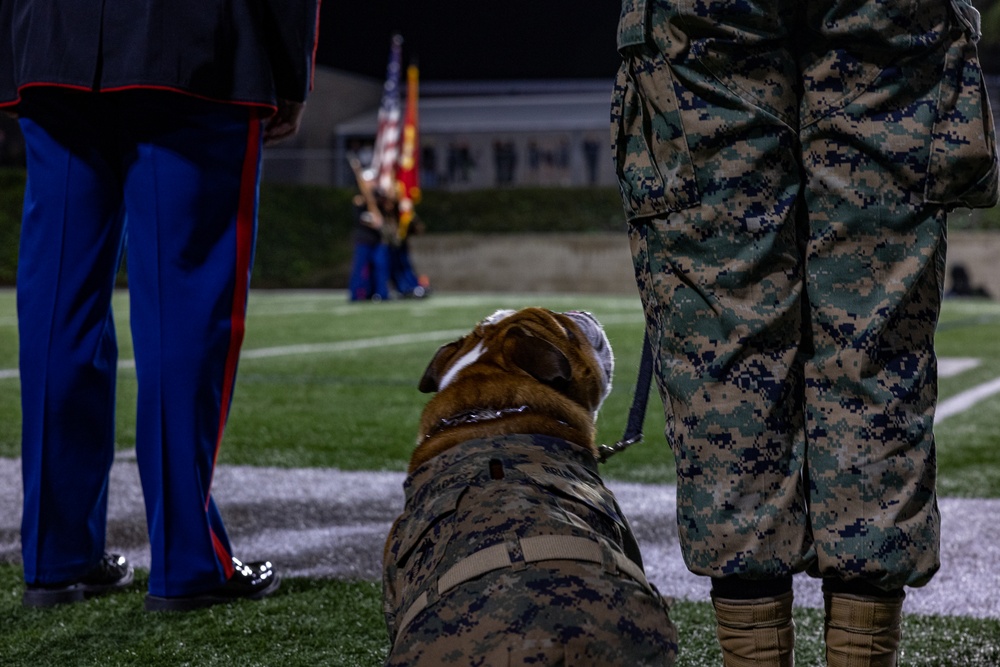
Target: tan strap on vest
(532,550)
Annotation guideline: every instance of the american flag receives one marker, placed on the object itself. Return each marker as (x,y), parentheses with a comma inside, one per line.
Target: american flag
(386,154)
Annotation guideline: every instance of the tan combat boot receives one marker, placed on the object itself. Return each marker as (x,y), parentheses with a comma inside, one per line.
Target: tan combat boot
(862,631)
(756,633)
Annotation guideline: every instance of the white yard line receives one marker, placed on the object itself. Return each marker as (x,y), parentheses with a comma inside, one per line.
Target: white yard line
(966,399)
(947,367)
(950,366)
(313,348)
(348,345)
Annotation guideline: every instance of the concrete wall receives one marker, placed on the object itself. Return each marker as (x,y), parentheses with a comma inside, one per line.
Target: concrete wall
(979,252)
(601,263)
(584,263)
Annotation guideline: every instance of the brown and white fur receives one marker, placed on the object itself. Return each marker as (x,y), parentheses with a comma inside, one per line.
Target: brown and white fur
(526,371)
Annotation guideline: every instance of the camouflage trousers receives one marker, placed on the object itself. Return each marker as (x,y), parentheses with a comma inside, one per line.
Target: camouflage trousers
(510,551)
(785,168)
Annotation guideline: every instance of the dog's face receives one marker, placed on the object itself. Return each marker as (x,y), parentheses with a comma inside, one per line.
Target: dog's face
(568,352)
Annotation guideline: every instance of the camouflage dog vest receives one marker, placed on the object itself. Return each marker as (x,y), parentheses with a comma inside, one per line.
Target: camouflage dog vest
(510,550)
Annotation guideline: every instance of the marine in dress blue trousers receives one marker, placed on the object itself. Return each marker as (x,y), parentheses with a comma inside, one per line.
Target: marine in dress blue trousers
(144,122)
(190,226)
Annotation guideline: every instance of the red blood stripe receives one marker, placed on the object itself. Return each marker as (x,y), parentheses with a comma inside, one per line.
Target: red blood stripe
(244,239)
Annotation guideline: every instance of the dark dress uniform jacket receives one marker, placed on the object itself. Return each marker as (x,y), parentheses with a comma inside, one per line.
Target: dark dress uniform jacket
(244,51)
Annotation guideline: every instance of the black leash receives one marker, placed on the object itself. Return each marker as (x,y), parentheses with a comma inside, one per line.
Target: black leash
(637,413)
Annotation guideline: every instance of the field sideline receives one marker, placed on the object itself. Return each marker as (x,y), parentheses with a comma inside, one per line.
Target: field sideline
(324,417)
(327,383)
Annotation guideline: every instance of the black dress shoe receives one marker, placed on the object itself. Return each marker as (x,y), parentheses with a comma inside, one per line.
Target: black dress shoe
(112,573)
(250,581)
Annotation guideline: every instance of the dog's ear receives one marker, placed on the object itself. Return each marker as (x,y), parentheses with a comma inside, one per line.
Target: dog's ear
(432,374)
(539,358)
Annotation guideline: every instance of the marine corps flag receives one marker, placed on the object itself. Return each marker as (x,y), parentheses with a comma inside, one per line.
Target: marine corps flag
(408,172)
(386,154)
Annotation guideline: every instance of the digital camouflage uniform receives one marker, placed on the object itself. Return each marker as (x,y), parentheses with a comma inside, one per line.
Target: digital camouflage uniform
(492,563)
(786,167)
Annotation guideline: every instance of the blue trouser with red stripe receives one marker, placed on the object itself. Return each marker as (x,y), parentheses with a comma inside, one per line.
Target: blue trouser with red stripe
(179,178)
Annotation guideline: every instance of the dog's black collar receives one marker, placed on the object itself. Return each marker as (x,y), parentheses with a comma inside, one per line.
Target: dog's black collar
(474,416)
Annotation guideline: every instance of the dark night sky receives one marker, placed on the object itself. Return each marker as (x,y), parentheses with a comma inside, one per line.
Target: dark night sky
(461,40)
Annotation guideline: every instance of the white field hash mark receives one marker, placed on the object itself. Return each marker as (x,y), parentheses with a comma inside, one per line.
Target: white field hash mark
(947,367)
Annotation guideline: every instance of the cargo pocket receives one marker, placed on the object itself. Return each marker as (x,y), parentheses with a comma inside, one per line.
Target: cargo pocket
(429,525)
(416,544)
(652,160)
(963,169)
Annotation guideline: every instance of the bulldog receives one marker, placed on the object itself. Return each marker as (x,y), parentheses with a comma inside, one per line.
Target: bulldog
(510,550)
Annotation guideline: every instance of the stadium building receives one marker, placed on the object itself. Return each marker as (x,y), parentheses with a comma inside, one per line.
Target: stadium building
(473,135)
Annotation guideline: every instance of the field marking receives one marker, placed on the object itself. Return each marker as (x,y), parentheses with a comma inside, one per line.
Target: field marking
(313,348)
(947,366)
(951,366)
(965,400)
(343,532)
(349,345)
